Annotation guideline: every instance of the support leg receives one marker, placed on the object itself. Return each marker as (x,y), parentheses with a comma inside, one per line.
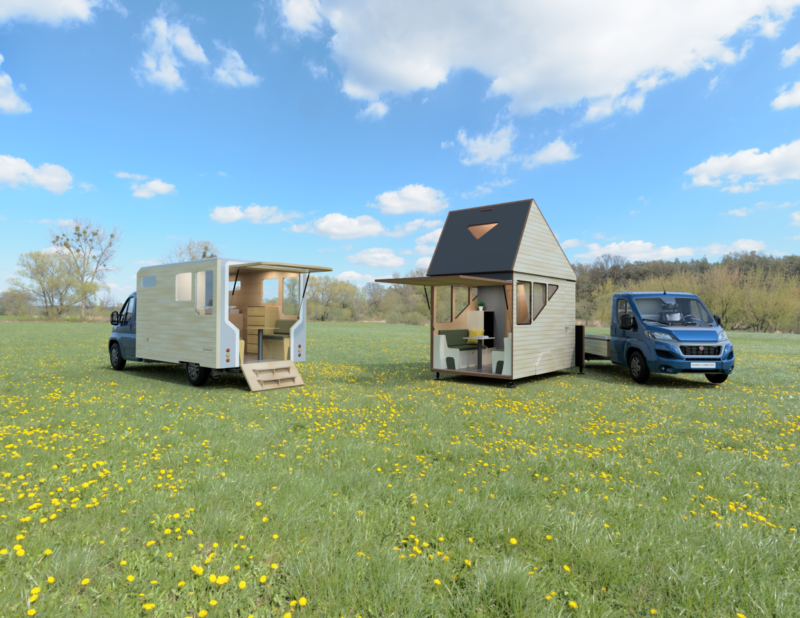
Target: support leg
(511,384)
(437,376)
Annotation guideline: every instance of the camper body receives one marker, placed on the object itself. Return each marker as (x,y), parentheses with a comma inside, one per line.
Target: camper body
(211,314)
(500,270)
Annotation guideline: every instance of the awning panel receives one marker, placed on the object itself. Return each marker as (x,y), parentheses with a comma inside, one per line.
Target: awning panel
(454,280)
(280,267)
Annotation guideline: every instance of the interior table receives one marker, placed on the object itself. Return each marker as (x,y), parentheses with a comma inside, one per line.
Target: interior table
(481,339)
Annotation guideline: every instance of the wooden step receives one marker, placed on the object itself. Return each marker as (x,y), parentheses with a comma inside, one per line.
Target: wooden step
(270,375)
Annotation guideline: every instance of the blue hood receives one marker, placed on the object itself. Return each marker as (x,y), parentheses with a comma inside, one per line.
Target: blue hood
(695,334)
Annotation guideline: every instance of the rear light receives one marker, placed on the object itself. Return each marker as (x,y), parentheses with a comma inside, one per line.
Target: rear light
(227,360)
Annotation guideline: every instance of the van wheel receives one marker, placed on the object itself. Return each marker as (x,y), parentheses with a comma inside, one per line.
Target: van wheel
(117,361)
(197,375)
(716,378)
(638,366)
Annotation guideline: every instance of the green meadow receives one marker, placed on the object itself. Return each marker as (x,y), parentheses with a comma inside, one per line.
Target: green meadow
(376,491)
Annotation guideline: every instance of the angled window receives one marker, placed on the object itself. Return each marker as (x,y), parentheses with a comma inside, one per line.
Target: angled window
(444,303)
(478,231)
(462,299)
(204,296)
(539,298)
(523,302)
(551,290)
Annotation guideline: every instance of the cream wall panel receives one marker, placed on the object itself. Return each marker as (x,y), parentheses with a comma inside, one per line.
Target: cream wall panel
(539,251)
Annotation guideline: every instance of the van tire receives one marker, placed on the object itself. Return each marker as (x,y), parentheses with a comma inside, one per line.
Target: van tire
(117,360)
(716,378)
(196,374)
(638,367)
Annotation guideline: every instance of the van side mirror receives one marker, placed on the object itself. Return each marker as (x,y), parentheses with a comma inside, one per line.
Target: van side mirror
(626,321)
(114,318)
(718,320)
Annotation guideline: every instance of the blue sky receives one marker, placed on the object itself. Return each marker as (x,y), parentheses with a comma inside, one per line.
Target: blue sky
(341,133)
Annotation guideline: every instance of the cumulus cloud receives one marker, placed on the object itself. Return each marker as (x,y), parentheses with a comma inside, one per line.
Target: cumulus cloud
(317,71)
(15,172)
(769,168)
(789,97)
(556,151)
(487,149)
(377,258)
(56,221)
(146,189)
(411,227)
(572,242)
(411,198)
(374,111)
(10,101)
(426,244)
(486,188)
(790,56)
(253,213)
(338,226)
(423,262)
(539,54)
(796,218)
(232,71)
(743,244)
(165,42)
(739,212)
(54,12)
(354,277)
(635,250)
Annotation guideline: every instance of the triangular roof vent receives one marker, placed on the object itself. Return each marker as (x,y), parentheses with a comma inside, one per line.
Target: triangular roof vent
(479,231)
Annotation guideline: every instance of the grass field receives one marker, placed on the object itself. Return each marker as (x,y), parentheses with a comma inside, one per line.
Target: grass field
(375,491)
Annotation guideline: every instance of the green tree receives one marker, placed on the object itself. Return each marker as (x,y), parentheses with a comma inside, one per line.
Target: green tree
(49,280)
(15,302)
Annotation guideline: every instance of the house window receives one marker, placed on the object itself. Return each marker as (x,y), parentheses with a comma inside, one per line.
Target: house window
(539,298)
(269,291)
(551,290)
(149,281)
(523,302)
(291,296)
(462,299)
(183,287)
(444,304)
(204,284)
(478,231)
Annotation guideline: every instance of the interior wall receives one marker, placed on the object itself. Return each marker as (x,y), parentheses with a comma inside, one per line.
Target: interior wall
(251,292)
(492,298)
(459,322)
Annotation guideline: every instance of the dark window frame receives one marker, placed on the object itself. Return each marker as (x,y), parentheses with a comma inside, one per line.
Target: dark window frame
(528,300)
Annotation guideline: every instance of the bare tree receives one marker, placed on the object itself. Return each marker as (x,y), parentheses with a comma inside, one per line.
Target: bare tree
(50,281)
(87,250)
(190,250)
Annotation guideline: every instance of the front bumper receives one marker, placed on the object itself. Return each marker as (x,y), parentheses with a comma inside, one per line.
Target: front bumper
(723,364)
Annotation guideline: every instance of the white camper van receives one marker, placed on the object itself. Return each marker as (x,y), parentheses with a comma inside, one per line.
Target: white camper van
(217,316)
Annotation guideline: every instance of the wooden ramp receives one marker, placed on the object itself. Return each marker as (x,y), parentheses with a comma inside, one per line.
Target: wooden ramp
(271,374)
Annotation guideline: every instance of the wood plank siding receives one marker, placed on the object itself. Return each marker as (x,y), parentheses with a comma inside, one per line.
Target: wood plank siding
(539,252)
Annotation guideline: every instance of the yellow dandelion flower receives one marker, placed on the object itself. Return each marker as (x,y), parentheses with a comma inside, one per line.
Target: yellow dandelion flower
(274,536)
(437,582)
(263,579)
(566,568)
(653,611)
(242,585)
(573,605)
(467,562)
(202,613)
(85,581)
(20,552)
(302,601)
(212,578)
(212,602)
(293,603)
(148,606)
(51,580)
(512,540)
(47,552)
(274,565)
(738,615)
(131,578)
(31,612)
(36,590)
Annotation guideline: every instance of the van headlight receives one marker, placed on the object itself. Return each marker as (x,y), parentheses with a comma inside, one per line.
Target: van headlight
(722,336)
(659,336)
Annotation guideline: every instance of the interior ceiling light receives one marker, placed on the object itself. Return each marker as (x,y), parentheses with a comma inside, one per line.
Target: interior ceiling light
(480,230)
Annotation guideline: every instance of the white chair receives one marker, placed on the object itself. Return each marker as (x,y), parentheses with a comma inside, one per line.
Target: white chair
(441,353)
(503,355)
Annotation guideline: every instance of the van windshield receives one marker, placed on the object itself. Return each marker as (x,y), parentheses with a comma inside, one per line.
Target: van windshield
(671,310)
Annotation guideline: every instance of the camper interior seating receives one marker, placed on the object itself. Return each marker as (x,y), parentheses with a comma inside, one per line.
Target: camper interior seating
(217,316)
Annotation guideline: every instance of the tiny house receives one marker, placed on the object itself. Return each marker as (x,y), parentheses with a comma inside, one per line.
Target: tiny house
(219,315)
(502,295)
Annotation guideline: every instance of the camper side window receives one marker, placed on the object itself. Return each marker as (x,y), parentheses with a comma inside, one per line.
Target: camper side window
(461,299)
(444,304)
(291,295)
(204,304)
(539,298)
(524,302)
(183,287)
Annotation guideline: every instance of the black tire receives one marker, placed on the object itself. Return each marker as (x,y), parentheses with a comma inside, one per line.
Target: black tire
(117,360)
(638,367)
(197,375)
(716,378)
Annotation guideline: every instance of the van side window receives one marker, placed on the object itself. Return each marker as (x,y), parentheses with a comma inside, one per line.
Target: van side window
(204,304)
(183,287)
(539,298)
(523,302)
(622,308)
(130,311)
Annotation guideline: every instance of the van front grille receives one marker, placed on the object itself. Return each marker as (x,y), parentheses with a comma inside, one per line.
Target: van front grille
(701,350)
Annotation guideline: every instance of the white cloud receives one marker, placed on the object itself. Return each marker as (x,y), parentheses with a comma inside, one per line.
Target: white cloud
(232,71)
(253,213)
(769,168)
(10,101)
(56,221)
(713,83)
(411,227)
(152,188)
(15,172)
(336,225)
(423,262)
(635,250)
(743,244)
(374,111)
(486,188)
(54,12)
(354,277)
(87,186)
(739,212)
(427,242)
(605,56)
(131,176)
(790,56)
(145,263)
(317,70)
(572,242)
(411,198)
(301,15)
(787,98)
(160,62)
(489,148)
(796,218)
(556,151)
(377,258)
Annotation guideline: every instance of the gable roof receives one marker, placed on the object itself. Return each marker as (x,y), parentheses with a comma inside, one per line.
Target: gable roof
(493,250)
